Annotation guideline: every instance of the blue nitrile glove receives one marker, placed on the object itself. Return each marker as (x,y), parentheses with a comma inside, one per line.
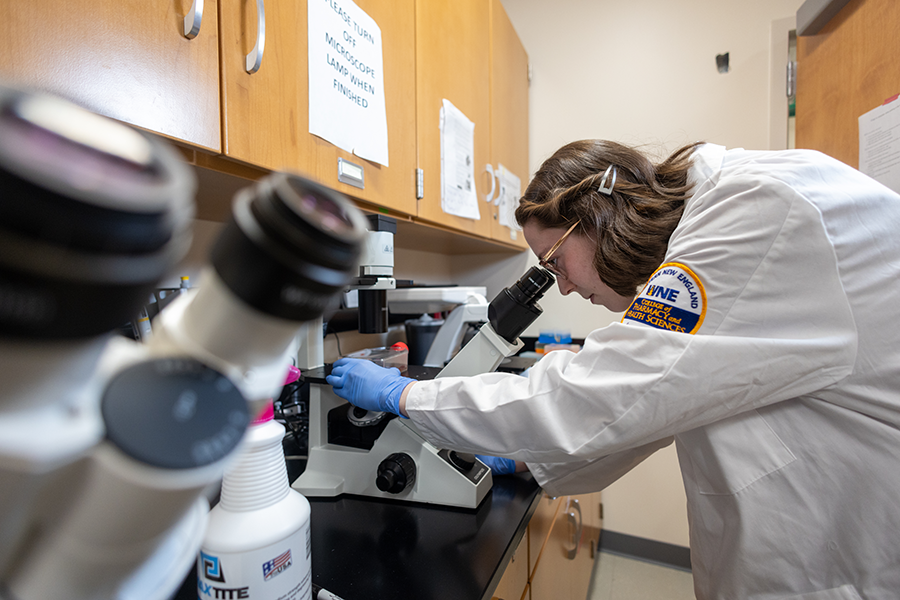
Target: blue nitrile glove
(499,466)
(364,384)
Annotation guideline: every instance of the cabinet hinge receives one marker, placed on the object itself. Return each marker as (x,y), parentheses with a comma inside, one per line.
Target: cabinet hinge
(420,184)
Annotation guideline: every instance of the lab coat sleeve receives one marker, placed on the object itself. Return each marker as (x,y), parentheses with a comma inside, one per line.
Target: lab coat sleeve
(595,474)
(777,326)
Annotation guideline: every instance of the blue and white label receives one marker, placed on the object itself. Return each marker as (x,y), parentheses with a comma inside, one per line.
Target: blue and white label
(673,299)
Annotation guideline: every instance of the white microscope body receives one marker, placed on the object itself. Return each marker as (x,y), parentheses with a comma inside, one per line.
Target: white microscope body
(400,463)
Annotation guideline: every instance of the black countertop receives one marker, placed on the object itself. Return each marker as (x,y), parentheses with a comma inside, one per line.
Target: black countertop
(372,549)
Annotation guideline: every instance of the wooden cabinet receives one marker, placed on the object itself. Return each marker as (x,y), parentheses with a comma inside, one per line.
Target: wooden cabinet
(132,61)
(567,560)
(469,53)
(452,63)
(509,112)
(539,529)
(562,544)
(392,187)
(126,60)
(265,113)
(514,584)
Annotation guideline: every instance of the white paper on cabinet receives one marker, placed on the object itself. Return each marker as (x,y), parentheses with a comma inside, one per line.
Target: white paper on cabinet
(508,197)
(458,195)
(879,144)
(346,79)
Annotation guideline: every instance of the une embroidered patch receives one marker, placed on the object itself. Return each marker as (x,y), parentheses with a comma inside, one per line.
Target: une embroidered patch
(673,299)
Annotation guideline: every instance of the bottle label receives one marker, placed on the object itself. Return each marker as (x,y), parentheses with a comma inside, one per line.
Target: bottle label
(281,571)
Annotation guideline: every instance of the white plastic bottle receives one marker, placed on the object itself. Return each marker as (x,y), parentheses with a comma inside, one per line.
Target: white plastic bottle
(257,544)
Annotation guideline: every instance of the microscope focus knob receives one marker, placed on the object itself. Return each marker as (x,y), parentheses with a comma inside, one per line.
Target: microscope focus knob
(462,460)
(396,473)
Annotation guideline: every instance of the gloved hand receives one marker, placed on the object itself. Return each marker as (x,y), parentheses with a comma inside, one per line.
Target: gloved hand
(364,384)
(499,466)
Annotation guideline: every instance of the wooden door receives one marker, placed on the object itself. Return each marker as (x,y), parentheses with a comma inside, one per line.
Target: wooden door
(539,529)
(453,63)
(265,116)
(583,547)
(393,186)
(566,565)
(515,579)
(127,60)
(592,511)
(509,112)
(843,72)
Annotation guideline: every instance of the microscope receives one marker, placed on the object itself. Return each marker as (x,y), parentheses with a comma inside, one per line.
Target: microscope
(353,451)
(108,446)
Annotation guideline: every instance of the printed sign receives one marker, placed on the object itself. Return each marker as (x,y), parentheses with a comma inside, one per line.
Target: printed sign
(673,299)
(346,79)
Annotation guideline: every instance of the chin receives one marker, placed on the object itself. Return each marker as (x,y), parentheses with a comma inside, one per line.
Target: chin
(617,306)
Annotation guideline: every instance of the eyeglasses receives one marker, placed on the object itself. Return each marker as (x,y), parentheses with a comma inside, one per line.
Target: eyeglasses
(545,260)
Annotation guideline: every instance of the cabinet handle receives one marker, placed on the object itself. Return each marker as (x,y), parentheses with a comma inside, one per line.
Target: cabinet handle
(576,524)
(254,59)
(490,169)
(193,20)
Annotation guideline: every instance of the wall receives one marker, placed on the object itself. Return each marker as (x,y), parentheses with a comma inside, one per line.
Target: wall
(644,72)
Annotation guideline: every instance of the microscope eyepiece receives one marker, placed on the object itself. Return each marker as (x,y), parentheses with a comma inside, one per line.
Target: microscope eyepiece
(291,247)
(516,307)
(93,214)
(534,283)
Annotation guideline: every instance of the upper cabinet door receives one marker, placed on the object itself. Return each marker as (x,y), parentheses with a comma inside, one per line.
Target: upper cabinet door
(394,186)
(509,113)
(127,60)
(453,63)
(265,115)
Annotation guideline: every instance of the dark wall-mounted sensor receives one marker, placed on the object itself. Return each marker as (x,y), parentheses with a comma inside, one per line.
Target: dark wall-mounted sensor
(722,62)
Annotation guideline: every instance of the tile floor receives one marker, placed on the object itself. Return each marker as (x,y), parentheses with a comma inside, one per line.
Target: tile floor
(619,578)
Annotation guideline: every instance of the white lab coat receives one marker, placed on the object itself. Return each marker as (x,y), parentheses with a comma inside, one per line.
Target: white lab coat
(784,404)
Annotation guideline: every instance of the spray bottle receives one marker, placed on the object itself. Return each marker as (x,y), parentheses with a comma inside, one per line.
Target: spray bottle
(257,543)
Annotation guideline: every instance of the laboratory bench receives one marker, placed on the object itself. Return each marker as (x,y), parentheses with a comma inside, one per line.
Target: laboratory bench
(372,549)
(366,548)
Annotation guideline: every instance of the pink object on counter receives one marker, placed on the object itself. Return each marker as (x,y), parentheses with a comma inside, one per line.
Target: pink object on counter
(268,413)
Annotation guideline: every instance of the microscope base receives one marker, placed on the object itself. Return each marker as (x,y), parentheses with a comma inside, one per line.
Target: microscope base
(332,470)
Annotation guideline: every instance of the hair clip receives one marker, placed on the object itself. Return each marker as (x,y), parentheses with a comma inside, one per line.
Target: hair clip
(607,189)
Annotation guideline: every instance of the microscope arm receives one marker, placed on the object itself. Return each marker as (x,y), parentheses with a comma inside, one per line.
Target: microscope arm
(482,354)
(451,333)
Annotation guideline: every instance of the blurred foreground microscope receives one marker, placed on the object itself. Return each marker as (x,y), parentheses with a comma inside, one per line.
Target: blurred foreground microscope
(107,446)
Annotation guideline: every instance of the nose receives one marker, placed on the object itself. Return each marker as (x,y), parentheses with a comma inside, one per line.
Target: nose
(565,286)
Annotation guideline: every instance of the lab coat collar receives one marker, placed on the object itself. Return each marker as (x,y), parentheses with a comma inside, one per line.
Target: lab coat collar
(708,160)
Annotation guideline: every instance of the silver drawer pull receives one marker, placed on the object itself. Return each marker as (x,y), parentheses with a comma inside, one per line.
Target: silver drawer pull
(254,59)
(193,20)
(576,524)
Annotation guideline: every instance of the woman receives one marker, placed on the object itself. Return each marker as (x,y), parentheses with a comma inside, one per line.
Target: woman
(761,339)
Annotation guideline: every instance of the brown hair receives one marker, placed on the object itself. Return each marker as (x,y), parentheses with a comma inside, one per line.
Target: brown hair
(632,226)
